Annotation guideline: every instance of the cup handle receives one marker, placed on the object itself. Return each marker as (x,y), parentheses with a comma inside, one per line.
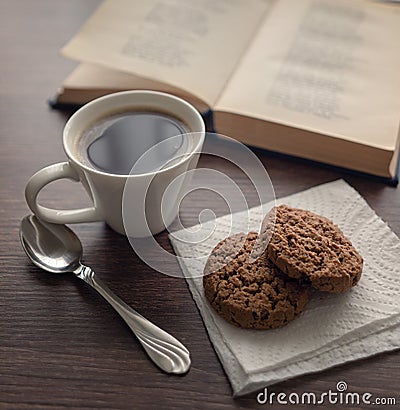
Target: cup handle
(62,216)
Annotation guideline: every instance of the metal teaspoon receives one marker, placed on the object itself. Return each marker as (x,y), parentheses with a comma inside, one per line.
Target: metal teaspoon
(56,249)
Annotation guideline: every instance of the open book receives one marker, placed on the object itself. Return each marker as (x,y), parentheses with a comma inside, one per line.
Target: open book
(318,79)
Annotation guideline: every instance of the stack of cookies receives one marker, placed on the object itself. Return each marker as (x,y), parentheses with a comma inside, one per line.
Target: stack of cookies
(258,286)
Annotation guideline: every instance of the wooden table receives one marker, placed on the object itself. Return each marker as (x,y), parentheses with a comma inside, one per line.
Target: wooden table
(61,345)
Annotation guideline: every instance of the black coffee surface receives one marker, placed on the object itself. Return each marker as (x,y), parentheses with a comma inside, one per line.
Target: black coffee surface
(124,138)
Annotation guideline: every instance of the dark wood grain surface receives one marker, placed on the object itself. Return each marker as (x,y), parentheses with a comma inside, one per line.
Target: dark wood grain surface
(61,345)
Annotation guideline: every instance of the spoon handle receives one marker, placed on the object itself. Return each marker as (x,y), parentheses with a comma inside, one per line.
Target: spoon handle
(166,352)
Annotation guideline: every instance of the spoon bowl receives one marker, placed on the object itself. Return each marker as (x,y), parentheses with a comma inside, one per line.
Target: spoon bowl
(51,247)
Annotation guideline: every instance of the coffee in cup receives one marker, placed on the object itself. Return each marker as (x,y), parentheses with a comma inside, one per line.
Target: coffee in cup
(117,141)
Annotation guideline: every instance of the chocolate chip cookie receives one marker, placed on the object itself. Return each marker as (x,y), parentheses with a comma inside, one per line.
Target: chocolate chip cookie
(310,247)
(250,293)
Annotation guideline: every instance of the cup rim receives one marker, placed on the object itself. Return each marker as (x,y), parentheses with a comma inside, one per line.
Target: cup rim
(185,158)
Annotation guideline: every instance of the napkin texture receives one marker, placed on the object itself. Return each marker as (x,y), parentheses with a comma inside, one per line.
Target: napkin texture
(333,329)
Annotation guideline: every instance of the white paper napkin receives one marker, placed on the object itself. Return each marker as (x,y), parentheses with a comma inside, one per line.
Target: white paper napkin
(333,329)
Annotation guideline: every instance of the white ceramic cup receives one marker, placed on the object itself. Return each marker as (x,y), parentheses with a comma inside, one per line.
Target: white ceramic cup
(106,190)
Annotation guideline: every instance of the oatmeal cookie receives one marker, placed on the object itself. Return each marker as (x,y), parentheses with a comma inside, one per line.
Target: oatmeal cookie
(250,293)
(309,247)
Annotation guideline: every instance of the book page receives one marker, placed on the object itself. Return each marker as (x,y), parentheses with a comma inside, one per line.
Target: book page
(89,81)
(194,45)
(329,66)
